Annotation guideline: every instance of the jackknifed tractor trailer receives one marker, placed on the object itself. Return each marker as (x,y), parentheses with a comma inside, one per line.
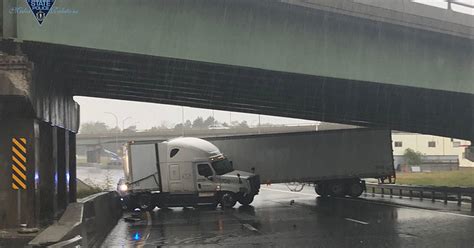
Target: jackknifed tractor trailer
(182,172)
(191,171)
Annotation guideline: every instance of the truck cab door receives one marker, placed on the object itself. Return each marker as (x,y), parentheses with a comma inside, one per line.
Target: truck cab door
(205,180)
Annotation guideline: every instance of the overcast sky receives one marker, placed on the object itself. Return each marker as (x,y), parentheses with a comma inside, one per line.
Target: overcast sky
(147,115)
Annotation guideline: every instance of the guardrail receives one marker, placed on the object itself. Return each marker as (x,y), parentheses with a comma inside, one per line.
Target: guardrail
(423,192)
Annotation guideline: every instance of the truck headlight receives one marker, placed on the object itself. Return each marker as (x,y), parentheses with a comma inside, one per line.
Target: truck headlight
(123,187)
(218,187)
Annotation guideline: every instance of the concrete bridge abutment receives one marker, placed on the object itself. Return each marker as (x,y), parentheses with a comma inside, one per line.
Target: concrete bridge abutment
(39,121)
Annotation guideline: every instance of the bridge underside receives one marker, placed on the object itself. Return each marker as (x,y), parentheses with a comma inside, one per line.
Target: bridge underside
(106,74)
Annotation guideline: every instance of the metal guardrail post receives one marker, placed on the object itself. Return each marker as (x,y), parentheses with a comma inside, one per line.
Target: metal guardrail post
(410,193)
(401,193)
(391,193)
(382,191)
(445,198)
(472,203)
(421,195)
(432,196)
(373,191)
(459,199)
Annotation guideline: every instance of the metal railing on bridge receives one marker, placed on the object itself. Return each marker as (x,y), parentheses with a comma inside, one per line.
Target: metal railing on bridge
(458,194)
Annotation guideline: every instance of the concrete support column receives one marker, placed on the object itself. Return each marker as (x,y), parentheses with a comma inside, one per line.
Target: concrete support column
(72,168)
(47,173)
(63,168)
(17,173)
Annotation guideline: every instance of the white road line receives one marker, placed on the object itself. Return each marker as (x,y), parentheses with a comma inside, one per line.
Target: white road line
(375,202)
(250,227)
(285,191)
(357,221)
(405,206)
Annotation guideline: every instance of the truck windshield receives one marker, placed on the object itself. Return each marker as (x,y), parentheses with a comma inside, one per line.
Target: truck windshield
(222,167)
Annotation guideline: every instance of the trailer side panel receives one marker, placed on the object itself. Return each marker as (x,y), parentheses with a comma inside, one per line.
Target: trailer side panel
(312,156)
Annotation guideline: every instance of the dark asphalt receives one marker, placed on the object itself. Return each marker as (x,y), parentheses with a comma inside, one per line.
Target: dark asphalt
(310,222)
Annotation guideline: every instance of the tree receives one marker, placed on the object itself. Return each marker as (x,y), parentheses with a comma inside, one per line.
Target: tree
(114,130)
(164,125)
(94,128)
(198,123)
(412,157)
(188,124)
(243,124)
(209,121)
(130,129)
(153,129)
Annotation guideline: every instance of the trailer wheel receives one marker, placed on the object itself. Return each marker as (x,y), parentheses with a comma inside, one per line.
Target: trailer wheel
(321,189)
(145,203)
(355,189)
(228,200)
(336,189)
(246,200)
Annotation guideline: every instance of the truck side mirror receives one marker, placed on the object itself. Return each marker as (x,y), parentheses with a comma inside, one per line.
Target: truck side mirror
(210,178)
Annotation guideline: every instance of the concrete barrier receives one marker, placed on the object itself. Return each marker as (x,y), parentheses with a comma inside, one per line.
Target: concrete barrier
(91,218)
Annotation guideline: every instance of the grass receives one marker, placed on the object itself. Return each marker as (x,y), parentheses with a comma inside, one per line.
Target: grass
(463,177)
(87,192)
(87,187)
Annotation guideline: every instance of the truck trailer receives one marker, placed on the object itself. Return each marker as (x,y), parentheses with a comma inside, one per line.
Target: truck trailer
(182,172)
(336,161)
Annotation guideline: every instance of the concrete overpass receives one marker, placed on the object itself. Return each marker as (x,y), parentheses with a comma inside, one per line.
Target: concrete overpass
(406,67)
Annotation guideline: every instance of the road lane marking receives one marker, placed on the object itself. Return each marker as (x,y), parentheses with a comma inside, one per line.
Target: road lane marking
(357,221)
(368,201)
(284,191)
(251,228)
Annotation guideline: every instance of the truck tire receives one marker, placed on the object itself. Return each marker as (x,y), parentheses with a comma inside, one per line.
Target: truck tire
(336,189)
(146,203)
(228,200)
(246,200)
(355,189)
(321,189)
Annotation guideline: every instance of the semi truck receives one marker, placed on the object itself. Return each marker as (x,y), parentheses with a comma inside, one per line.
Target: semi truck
(182,172)
(336,161)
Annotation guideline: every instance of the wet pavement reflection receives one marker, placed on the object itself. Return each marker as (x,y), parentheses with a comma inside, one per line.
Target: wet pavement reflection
(279,218)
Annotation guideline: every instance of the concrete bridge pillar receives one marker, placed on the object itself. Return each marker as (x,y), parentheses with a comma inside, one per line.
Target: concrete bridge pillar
(37,145)
(18,161)
(63,168)
(72,167)
(47,172)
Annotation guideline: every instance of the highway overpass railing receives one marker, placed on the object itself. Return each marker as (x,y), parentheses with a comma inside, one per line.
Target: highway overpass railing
(458,194)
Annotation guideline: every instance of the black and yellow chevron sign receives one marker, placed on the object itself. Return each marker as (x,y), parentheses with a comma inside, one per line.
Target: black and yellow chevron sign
(19,163)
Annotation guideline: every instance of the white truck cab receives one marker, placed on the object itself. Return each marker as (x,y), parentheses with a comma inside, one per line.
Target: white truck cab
(182,172)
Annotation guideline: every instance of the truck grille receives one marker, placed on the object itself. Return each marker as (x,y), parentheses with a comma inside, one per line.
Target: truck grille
(254,184)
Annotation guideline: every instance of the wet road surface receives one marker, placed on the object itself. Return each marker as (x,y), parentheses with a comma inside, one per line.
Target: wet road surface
(272,221)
